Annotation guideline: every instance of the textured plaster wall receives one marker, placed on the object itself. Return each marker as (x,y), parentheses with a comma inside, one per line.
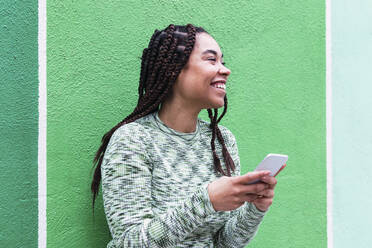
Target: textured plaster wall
(352,122)
(276,51)
(18,123)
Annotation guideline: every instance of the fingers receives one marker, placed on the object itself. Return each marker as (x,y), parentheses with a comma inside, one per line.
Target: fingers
(268,193)
(251,177)
(249,197)
(271,181)
(264,201)
(253,188)
(263,204)
(265,194)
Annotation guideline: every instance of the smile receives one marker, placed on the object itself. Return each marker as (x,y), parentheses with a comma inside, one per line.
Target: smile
(219,85)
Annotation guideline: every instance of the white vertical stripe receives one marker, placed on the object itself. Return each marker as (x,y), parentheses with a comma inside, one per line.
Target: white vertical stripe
(42,126)
(329,125)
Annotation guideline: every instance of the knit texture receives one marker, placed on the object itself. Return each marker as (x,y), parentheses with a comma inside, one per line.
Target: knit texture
(154,185)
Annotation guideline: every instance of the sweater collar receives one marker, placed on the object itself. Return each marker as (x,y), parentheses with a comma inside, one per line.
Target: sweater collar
(171,131)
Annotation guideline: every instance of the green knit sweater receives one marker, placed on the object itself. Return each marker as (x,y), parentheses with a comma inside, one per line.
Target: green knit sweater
(154,184)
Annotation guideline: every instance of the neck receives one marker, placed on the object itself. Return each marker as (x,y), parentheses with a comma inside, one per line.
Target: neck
(178,117)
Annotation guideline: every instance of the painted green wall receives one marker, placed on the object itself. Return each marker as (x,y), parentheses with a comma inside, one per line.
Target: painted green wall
(352,122)
(276,51)
(18,123)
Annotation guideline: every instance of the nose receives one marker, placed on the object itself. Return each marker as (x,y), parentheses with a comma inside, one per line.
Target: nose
(224,70)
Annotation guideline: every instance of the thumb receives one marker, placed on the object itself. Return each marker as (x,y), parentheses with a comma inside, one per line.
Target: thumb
(251,177)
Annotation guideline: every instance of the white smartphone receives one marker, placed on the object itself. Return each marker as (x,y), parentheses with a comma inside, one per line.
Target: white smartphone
(272,162)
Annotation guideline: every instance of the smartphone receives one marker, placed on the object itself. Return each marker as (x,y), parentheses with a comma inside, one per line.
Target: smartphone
(272,162)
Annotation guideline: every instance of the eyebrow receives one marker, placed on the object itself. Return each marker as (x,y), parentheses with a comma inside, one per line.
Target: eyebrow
(211,51)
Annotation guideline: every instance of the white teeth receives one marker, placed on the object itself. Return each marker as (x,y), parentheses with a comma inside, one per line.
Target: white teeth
(221,86)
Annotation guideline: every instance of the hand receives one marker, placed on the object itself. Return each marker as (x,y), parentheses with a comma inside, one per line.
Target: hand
(265,197)
(229,193)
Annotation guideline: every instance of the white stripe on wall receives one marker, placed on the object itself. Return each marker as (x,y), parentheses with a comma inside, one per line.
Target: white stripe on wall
(329,126)
(42,125)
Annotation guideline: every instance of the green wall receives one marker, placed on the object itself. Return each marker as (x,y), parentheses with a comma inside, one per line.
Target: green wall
(352,122)
(276,51)
(18,123)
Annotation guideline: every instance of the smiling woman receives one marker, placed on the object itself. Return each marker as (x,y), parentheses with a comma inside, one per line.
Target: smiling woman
(166,182)
(200,84)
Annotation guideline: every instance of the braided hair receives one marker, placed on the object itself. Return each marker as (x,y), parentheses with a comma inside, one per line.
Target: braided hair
(162,61)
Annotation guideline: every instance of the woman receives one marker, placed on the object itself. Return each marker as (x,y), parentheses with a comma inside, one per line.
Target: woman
(166,182)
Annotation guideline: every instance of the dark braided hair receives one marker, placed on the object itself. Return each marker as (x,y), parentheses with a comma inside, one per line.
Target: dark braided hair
(162,61)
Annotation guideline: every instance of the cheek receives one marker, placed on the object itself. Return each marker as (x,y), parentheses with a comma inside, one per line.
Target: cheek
(195,81)
(204,76)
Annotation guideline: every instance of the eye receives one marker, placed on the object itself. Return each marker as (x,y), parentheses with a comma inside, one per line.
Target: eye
(212,59)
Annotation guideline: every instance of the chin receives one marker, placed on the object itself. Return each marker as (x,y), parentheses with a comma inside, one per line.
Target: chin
(217,104)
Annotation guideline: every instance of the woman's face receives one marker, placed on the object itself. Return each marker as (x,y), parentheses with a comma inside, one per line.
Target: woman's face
(202,81)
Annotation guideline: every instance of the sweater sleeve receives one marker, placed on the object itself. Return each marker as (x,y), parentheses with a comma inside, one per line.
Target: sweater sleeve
(126,187)
(243,225)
